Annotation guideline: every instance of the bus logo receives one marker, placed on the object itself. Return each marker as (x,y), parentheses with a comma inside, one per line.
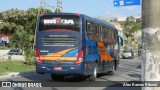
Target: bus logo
(6,84)
(58,21)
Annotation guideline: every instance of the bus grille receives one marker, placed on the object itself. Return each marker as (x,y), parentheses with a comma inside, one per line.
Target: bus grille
(57,62)
(59,40)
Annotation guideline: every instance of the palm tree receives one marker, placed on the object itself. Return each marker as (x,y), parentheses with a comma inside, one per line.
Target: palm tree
(58,10)
(20,40)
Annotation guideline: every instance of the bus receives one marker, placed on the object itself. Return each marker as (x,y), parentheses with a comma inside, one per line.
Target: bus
(76,44)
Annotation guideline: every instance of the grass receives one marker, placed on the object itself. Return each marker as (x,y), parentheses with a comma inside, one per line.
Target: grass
(14,66)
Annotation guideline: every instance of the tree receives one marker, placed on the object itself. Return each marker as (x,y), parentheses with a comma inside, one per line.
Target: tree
(38,10)
(130,26)
(20,39)
(58,10)
(15,20)
(151,42)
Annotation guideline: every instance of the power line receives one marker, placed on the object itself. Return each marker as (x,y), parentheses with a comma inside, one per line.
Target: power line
(57,8)
(42,5)
(50,6)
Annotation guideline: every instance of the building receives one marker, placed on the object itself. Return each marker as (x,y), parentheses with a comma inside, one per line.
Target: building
(4,39)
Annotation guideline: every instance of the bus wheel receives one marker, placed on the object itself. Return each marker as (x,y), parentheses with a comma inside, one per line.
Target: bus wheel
(57,77)
(94,75)
(112,71)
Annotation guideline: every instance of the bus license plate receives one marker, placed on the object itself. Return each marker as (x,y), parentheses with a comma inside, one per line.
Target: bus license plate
(57,68)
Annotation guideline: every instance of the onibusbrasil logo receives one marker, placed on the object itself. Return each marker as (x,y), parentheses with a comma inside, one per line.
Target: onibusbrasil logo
(21,84)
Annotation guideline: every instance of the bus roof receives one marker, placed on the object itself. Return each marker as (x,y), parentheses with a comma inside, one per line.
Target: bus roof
(78,14)
(60,14)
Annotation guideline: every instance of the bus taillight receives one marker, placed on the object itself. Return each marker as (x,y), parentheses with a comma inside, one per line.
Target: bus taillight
(79,58)
(42,14)
(77,14)
(38,56)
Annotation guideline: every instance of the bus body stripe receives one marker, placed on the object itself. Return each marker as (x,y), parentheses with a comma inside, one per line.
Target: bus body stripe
(58,54)
(104,55)
(58,58)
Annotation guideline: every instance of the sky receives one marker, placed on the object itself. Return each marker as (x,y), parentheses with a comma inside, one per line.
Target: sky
(93,8)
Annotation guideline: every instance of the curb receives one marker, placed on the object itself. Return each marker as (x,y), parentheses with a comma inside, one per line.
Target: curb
(15,74)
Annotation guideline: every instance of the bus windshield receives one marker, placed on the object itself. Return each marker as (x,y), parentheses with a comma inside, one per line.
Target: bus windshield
(59,22)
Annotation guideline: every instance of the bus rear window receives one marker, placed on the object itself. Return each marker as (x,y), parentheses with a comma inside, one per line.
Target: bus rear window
(52,22)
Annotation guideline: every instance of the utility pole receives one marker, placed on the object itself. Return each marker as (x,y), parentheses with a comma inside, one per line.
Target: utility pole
(42,5)
(59,6)
(151,42)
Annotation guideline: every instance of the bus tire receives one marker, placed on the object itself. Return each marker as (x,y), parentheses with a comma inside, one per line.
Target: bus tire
(94,75)
(112,71)
(57,77)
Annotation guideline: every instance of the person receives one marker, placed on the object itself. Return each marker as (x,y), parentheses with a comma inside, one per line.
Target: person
(139,52)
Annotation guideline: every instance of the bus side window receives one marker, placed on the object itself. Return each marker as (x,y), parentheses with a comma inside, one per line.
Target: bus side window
(115,36)
(99,30)
(99,33)
(89,30)
(103,29)
(93,28)
(112,36)
(96,33)
(107,34)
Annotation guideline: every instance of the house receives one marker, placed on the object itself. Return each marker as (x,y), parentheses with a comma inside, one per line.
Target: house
(4,39)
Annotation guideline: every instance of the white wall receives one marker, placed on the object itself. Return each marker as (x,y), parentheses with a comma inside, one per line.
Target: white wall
(3,52)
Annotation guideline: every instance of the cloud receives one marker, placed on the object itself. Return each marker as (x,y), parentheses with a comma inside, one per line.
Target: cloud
(130,8)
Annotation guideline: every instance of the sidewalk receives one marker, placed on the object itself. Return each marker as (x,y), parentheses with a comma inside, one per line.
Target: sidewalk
(5,57)
(13,57)
(15,74)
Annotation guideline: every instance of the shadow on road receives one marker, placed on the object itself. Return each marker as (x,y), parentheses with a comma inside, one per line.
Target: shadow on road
(139,67)
(123,88)
(129,70)
(134,75)
(47,77)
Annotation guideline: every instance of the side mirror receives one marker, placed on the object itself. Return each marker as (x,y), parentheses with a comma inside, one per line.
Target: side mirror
(121,43)
(121,40)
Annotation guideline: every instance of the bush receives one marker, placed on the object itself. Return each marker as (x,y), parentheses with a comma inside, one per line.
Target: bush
(139,46)
(30,57)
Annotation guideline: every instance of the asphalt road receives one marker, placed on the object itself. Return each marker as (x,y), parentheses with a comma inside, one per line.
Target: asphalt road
(129,70)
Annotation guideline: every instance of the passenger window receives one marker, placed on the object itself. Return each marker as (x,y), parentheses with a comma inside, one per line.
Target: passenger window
(89,30)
